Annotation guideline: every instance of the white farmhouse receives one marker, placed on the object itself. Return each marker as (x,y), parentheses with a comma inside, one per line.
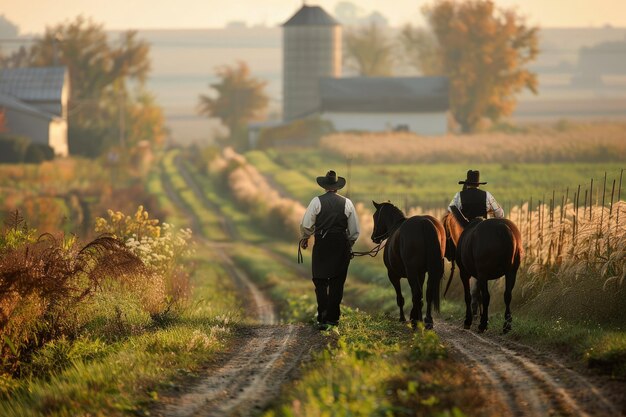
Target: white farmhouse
(416,104)
(34,102)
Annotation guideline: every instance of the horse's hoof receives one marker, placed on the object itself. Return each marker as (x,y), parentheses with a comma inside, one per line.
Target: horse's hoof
(428,326)
(481,328)
(506,328)
(413,324)
(467,326)
(402,320)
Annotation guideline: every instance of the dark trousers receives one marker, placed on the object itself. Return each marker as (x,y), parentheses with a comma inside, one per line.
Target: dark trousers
(329,293)
(331,257)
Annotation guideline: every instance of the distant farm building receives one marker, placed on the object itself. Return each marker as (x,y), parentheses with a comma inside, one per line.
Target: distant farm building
(416,104)
(313,87)
(34,103)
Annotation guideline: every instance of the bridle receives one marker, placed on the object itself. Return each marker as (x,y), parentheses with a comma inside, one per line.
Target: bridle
(383,239)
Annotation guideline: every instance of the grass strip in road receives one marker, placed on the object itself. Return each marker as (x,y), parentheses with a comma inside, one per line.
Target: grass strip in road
(377,366)
(244,227)
(208,220)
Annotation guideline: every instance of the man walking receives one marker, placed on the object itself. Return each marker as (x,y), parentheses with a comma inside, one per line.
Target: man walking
(333,220)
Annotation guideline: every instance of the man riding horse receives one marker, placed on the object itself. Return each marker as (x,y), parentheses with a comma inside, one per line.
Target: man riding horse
(473,202)
(483,249)
(333,220)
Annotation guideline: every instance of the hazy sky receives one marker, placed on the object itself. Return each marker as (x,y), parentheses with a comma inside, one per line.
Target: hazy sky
(33,15)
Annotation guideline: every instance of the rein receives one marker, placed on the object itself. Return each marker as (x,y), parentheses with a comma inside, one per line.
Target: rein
(374,251)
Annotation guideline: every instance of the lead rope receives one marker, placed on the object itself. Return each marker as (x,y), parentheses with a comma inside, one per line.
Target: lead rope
(300,257)
(372,252)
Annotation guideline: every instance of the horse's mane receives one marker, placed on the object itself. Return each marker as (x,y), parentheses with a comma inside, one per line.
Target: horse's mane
(395,209)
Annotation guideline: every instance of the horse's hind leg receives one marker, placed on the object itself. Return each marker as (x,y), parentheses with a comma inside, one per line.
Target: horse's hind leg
(395,281)
(465,277)
(417,282)
(484,317)
(428,320)
(510,283)
(476,297)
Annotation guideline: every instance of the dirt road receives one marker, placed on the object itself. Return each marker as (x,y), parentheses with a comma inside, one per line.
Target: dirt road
(245,379)
(526,382)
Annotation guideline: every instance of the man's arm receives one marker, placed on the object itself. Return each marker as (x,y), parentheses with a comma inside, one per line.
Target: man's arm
(307,226)
(353,222)
(456,201)
(494,207)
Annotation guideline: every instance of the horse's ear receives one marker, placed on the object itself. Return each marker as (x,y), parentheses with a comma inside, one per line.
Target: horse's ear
(376,204)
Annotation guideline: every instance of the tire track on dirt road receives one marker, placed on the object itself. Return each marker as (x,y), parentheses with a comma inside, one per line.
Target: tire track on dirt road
(527,383)
(245,379)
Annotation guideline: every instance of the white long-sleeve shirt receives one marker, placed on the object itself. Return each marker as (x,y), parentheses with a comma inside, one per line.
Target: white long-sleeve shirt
(492,205)
(307,227)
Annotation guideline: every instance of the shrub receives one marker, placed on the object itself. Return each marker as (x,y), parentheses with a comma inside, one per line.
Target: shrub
(13,148)
(36,153)
(161,248)
(299,132)
(42,283)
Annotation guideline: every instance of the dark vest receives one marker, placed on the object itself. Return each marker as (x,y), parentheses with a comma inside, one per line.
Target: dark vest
(474,202)
(332,216)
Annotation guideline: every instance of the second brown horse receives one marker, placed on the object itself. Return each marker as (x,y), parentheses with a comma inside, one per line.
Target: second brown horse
(485,250)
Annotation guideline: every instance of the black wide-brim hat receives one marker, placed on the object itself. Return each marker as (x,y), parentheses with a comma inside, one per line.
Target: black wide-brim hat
(331,181)
(473,178)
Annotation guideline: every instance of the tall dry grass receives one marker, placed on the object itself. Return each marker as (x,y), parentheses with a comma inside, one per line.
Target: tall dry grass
(580,143)
(45,281)
(277,214)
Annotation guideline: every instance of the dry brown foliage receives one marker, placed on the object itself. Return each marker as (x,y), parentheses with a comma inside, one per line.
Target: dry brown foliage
(42,282)
(252,190)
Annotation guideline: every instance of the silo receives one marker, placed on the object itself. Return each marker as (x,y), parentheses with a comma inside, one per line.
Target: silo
(311,50)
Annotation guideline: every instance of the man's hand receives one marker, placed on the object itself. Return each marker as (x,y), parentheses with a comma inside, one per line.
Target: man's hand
(304,243)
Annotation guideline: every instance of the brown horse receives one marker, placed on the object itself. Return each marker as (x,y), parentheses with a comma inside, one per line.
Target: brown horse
(485,250)
(415,246)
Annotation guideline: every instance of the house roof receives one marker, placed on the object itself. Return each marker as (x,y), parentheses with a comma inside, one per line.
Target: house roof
(11,102)
(311,16)
(384,94)
(33,83)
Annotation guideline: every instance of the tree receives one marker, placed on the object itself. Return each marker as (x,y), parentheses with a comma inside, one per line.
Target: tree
(484,51)
(101,74)
(240,98)
(368,51)
(420,51)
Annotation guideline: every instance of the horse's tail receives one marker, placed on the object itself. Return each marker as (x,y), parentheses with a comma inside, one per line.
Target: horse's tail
(434,258)
(449,278)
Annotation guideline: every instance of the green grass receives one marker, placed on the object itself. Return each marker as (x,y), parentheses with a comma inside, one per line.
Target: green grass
(208,219)
(425,185)
(125,376)
(244,227)
(376,366)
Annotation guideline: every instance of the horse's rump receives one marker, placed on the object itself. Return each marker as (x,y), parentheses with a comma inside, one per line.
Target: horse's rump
(489,248)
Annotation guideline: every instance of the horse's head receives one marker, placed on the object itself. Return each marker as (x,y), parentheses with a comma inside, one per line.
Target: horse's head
(385,217)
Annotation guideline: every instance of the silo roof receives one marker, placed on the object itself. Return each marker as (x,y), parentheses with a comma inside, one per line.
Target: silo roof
(311,16)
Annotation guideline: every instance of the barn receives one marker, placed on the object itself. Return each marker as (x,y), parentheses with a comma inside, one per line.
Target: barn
(416,104)
(34,103)
(313,85)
